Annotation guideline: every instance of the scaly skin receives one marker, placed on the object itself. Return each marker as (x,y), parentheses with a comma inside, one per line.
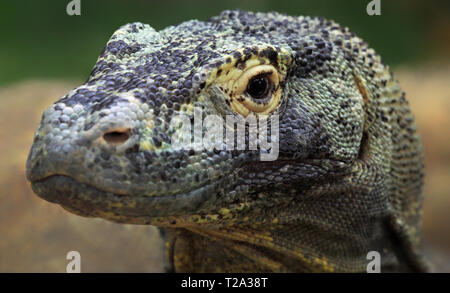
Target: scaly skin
(349,169)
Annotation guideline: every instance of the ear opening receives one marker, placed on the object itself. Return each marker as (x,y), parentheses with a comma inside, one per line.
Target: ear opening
(363,146)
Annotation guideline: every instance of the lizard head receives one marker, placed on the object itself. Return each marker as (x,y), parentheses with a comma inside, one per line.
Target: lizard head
(203,120)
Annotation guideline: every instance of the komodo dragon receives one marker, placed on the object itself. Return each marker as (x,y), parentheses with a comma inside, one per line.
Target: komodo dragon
(347,167)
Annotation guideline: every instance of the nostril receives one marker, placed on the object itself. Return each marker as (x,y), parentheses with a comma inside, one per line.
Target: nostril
(117,136)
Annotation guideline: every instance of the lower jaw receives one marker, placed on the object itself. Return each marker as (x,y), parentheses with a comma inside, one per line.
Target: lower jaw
(88,201)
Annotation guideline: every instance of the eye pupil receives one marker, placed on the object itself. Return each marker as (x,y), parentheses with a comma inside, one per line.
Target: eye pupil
(257,87)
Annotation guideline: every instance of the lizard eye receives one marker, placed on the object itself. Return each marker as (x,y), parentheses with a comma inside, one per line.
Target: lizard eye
(250,80)
(256,90)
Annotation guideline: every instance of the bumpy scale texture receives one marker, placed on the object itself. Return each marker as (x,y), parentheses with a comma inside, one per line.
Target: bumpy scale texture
(347,179)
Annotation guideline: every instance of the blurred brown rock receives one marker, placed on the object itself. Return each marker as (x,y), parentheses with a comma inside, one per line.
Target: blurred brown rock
(428,91)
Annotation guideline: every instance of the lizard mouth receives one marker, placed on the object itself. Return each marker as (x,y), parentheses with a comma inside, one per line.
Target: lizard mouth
(89,201)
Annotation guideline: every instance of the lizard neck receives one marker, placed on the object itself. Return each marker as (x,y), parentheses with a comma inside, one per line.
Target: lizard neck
(272,249)
(237,249)
(223,250)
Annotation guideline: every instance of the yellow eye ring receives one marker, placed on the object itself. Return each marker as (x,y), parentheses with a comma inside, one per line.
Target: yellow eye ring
(243,102)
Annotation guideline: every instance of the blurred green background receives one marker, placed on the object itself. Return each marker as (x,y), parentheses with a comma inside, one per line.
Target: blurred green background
(38,38)
(44,53)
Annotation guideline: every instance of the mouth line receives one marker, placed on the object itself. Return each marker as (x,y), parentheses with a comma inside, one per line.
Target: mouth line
(90,201)
(59,177)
